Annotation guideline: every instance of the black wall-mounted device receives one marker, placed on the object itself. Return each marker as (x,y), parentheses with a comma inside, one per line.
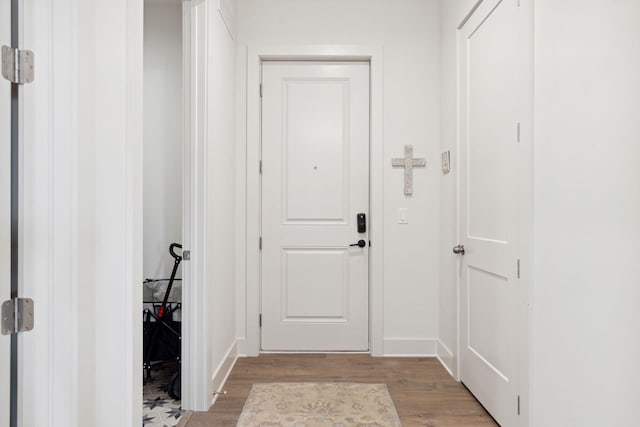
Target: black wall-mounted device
(362,223)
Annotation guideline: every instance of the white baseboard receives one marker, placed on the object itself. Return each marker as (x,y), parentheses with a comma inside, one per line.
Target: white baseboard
(410,347)
(221,373)
(446,358)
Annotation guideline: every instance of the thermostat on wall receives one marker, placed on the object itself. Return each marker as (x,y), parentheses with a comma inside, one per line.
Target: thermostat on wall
(446,162)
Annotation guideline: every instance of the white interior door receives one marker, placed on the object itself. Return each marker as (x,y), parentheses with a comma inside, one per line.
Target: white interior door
(5,212)
(315,181)
(492,96)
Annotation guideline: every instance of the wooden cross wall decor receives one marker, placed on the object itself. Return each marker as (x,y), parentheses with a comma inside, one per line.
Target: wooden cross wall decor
(408,163)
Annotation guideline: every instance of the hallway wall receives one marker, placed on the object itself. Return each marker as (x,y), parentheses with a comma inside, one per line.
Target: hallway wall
(586,350)
(408,32)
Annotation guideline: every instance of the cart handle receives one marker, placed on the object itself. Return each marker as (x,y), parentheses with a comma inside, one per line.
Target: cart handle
(173,254)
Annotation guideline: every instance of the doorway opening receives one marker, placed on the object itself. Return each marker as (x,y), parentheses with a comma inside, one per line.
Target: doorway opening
(163,179)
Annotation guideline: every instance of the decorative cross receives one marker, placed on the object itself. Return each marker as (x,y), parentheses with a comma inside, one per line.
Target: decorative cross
(408,163)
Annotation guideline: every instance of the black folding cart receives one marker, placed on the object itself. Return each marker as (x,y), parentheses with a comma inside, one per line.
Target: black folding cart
(162,332)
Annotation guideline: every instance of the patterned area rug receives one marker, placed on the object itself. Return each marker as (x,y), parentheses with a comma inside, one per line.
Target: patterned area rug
(158,408)
(319,405)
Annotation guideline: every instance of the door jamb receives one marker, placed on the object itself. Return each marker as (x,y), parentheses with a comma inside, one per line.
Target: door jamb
(196,383)
(255,56)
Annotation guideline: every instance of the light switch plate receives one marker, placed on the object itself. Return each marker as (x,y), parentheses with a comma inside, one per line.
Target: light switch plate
(446,162)
(403,216)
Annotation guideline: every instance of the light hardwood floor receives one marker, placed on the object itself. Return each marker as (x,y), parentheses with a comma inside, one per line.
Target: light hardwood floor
(423,392)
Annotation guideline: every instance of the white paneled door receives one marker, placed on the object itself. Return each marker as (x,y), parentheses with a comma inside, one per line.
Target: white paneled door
(315,183)
(492,102)
(5,212)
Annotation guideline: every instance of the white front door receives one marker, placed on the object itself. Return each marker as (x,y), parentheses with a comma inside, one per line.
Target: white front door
(315,183)
(5,212)
(492,103)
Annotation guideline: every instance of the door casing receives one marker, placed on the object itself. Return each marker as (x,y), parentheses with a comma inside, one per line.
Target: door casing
(250,346)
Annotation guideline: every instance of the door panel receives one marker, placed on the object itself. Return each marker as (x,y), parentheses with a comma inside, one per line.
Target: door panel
(315,152)
(492,97)
(314,284)
(5,212)
(313,136)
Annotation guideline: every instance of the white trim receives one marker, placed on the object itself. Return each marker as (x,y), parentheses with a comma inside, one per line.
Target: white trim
(445,357)
(117,131)
(251,343)
(48,368)
(222,372)
(410,347)
(525,375)
(196,390)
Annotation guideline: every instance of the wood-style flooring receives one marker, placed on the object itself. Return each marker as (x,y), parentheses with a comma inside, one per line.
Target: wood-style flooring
(423,392)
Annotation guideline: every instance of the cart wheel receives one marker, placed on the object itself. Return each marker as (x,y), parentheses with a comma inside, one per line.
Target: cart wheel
(174,386)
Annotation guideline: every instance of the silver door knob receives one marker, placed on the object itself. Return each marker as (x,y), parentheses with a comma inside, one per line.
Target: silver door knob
(458,249)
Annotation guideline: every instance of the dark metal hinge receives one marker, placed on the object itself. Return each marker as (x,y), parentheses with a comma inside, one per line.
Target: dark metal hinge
(260,90)
(260,320)
(518,267)
(518,405)
(260,243)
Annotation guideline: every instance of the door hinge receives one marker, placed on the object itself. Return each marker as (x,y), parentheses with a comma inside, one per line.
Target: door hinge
(518,132)
(518,269)
(260,243)
(16,316)
(260,167)
(260,320)
(518,405)
(186,255)
(17,65)
(260,90)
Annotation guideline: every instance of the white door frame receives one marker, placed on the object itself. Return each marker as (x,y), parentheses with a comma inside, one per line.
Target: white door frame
(255,56)
(196,378)
(525,297)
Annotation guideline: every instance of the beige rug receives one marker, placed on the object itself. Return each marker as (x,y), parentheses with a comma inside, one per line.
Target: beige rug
(319,405)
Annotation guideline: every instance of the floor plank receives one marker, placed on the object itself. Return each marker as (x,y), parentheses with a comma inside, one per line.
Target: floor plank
(422,390)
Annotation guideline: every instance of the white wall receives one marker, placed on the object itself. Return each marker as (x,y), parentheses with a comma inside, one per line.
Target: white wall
(586,346)
(163,138)
(408,31)
(221,194)
(451,15)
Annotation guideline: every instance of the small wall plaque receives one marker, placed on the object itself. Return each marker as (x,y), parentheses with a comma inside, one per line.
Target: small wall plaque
(446,162)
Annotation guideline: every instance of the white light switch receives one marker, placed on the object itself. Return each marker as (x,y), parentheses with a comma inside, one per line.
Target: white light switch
(403,216)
